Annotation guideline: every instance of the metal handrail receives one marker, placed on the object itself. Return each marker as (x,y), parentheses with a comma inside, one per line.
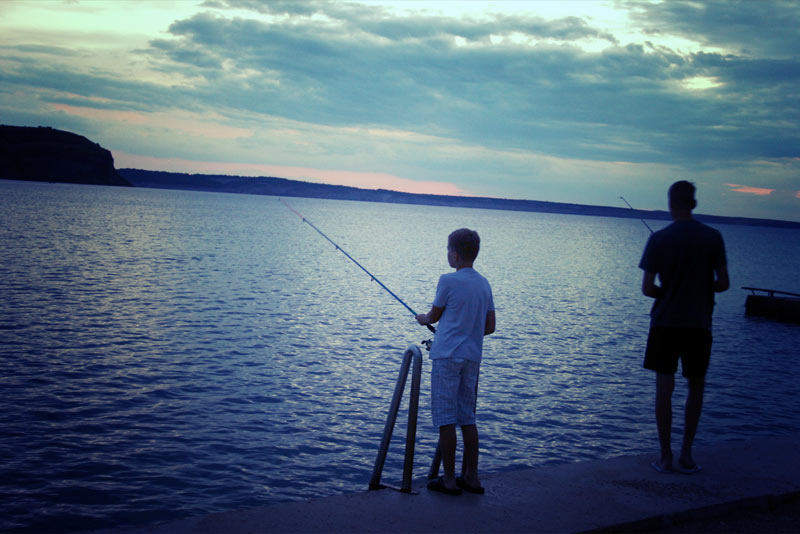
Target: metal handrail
(414,353)
(770,292)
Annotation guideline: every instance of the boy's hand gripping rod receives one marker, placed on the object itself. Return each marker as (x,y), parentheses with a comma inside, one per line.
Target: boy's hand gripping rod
(430,327)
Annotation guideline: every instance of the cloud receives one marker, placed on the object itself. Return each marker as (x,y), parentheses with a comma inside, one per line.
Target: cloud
(759,191)
(504,104)
(754,29)
(365,67)
(206,126)
(378,21)
(40,49)
(360,65)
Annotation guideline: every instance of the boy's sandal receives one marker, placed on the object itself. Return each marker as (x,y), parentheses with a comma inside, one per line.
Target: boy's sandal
(689,470)
(438,485)
(469,489)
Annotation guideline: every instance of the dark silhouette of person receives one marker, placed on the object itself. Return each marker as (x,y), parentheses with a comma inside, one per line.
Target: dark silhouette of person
(689,260)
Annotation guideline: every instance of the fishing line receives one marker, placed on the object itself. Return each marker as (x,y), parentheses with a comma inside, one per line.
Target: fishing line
(641,219)
(349,257)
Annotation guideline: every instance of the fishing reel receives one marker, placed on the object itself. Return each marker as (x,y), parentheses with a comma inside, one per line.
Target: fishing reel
(428,342)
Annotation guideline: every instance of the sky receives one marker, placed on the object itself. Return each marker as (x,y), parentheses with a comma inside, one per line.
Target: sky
(570,101)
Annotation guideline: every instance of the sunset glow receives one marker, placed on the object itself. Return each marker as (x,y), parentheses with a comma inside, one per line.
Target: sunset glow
(365,180)
(760,191)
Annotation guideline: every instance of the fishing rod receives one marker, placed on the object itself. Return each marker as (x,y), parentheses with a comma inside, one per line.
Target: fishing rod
(349,257)
(641,219)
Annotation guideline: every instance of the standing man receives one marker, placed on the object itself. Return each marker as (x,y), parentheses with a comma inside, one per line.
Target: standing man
(689,259)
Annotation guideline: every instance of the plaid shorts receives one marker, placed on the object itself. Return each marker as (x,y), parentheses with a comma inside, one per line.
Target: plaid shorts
(454,391)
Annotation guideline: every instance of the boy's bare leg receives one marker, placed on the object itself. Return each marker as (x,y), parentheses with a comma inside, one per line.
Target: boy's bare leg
(694,406)
(447,446)
(469,466)
(665,384)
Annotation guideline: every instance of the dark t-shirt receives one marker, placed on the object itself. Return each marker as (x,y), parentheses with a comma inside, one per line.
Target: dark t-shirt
(684,255)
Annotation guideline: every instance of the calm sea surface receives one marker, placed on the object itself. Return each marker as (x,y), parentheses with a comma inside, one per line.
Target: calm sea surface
(166,354)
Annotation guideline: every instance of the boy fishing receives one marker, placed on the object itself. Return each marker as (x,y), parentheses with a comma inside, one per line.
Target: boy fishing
(464,308)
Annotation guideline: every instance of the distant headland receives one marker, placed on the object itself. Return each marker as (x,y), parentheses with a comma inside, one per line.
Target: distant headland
(49,155)
(46,154)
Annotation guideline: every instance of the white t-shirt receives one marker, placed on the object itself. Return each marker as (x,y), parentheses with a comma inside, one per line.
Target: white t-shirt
(466,298)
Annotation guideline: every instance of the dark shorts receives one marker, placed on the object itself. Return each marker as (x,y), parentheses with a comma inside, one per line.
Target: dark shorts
(665,346)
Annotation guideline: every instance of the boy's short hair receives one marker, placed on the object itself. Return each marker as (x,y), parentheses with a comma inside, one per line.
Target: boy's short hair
(681,195)
(465,242)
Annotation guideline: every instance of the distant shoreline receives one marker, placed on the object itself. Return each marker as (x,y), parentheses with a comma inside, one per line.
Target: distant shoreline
(46,154)
(263,185)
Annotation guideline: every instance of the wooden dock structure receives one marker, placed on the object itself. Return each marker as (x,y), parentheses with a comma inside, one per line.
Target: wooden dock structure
(773,304)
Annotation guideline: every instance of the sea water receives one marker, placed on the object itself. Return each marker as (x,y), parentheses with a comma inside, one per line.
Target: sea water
(166,354)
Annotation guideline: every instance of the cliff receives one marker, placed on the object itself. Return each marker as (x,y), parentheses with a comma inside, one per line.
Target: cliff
(48,155)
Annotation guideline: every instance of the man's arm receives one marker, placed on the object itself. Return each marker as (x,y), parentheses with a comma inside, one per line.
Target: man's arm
(722,282)
(490,323)
(649,287)
(431,317)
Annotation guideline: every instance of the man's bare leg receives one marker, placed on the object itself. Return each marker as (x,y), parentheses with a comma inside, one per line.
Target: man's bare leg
(694,406)
(665,384)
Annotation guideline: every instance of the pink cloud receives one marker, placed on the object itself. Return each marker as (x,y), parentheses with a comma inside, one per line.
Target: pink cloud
(198,125)
(365,180)
(760,191)
(186,124)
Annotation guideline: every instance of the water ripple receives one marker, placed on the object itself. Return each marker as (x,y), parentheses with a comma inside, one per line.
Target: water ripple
(155,349)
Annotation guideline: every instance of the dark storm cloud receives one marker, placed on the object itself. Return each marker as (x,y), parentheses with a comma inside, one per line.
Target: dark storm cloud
(380,22)
(100,90)
(192,56)
(501,82)
(367,67)
(751,28)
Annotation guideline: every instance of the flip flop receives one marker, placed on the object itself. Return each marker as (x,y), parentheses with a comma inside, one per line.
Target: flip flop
(689,470)
(438,485)
(657,466)
(469,489)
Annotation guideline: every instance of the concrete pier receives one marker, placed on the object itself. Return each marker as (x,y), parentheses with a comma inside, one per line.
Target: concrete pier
(623,493)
